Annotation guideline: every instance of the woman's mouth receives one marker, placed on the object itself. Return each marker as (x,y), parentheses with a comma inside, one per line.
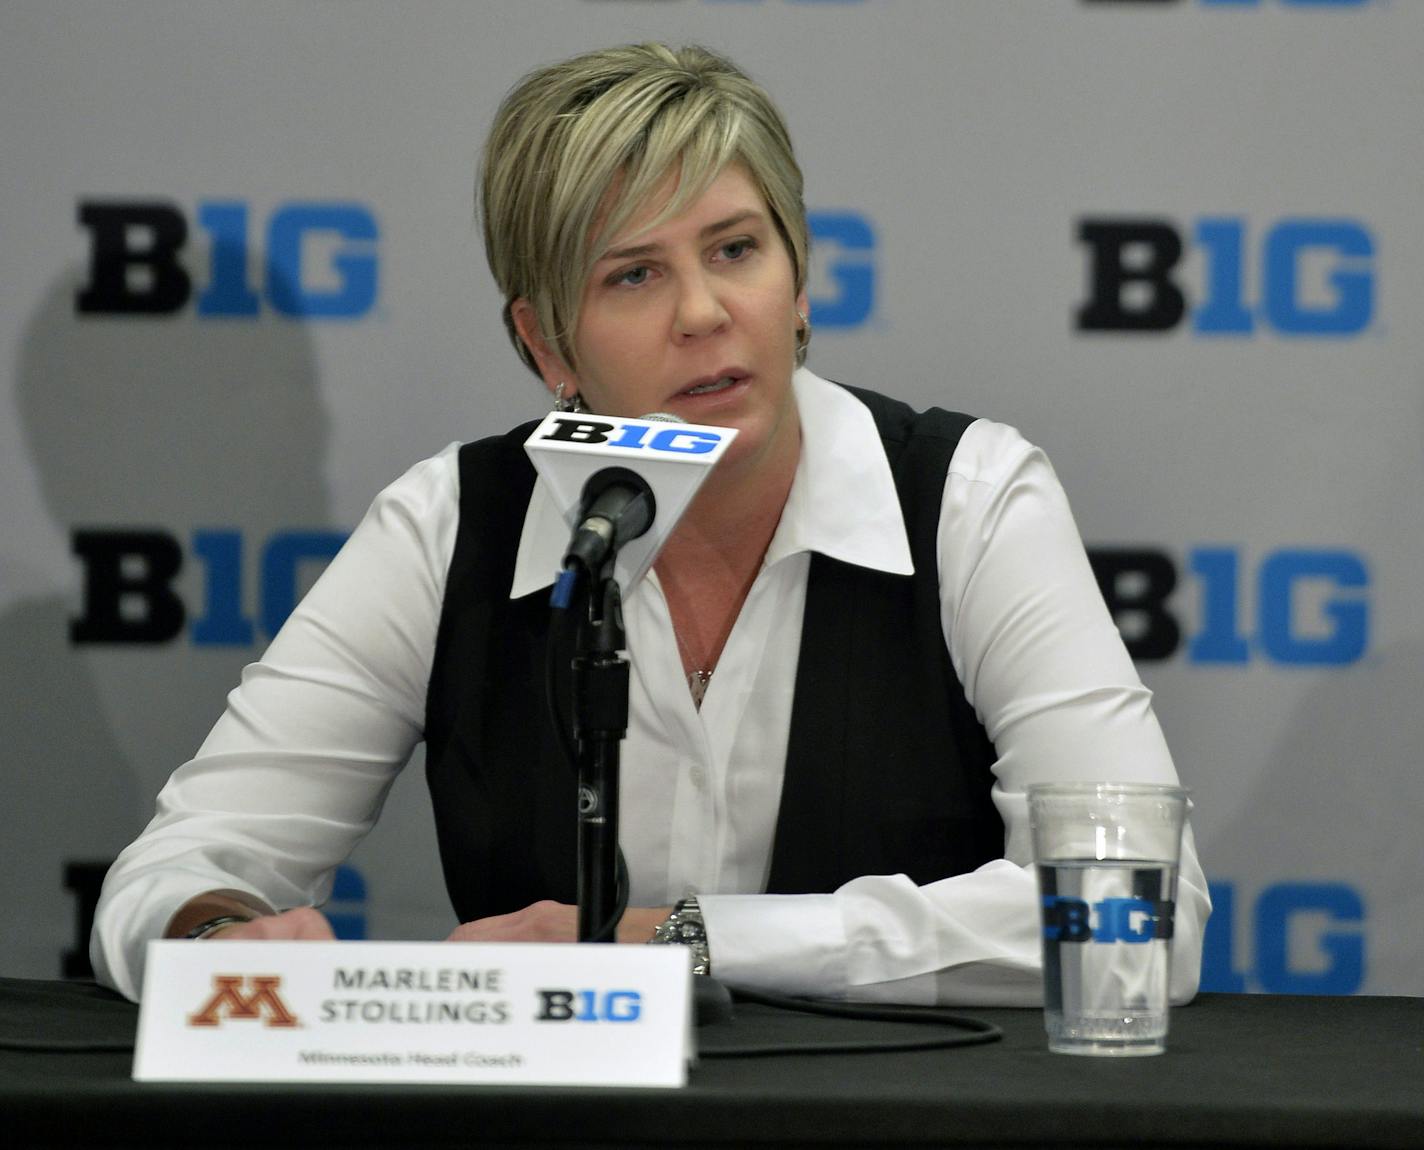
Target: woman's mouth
(715,385)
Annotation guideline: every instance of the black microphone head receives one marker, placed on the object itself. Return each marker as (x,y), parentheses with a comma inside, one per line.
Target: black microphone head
(621,496)
(609,477)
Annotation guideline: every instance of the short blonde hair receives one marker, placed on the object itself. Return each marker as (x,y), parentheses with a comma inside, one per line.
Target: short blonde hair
(627,117)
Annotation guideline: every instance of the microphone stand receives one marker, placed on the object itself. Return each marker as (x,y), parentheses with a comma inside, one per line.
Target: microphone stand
(600,705)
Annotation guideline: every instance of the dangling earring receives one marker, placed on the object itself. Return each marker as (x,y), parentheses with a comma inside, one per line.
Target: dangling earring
(803,337)
(573,403)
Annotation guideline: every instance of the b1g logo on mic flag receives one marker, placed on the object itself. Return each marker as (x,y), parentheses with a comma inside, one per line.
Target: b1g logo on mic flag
(236,996)
(673,458)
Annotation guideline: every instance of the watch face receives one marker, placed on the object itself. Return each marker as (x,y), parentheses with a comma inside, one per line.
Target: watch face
(684,927)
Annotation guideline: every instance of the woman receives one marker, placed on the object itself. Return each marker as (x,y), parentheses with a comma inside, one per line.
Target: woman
(869,633)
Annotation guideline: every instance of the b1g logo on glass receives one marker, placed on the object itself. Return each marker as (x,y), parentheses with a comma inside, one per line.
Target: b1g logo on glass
(844,264)
(319,260)
(1130,920)
(1315,277)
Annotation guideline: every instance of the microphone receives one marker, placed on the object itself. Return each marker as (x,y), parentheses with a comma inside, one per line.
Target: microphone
(618,506)
(622,484)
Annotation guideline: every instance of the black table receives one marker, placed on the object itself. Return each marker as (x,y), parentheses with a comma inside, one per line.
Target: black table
(1241,1071)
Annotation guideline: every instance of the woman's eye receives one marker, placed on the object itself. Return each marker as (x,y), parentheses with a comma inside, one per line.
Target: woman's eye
(632,277)
(736,249)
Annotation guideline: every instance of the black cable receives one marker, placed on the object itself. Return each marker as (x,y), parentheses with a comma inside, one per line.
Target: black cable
(558,620)
(970,1031)
(68,1045)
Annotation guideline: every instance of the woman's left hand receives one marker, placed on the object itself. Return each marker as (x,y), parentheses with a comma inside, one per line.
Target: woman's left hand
(550,921)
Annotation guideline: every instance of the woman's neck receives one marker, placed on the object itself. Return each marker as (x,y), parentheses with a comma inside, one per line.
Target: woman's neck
(732,520)
(707,567)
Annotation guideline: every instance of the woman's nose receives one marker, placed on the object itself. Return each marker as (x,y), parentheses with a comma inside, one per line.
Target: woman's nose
(700,310)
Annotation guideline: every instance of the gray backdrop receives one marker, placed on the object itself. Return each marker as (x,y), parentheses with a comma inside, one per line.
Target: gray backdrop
(1174,241)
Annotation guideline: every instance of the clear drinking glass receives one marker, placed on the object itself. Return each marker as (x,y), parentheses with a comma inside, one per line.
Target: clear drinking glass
(1107,856)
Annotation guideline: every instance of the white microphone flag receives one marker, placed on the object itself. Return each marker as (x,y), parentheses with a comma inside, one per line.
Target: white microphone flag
(674,459)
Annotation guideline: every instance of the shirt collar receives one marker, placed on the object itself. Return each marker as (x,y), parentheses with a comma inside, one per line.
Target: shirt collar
(842,501)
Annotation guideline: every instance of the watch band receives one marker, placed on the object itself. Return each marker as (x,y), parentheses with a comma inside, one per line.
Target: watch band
(208,926)
(685,927)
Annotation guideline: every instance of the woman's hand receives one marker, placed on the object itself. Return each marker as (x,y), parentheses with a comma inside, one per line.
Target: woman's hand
(301,923)
(549,921)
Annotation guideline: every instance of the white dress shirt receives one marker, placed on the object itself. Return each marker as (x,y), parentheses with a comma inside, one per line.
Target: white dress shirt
(295,771)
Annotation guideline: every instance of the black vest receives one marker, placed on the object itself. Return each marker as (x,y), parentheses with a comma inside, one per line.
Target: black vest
(887,767)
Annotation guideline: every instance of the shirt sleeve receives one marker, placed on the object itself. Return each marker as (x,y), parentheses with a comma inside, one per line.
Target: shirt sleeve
(297,768)
(1046,671)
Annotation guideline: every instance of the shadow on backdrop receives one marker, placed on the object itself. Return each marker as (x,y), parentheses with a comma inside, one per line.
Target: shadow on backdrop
(169,424)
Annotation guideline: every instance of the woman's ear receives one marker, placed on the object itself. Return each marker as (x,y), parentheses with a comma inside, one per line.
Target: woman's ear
(552,368)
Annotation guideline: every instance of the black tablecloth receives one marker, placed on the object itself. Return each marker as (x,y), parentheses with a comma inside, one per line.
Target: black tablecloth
(1241,1071)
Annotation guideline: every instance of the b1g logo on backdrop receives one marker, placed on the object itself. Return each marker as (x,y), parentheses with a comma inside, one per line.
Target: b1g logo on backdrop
(1236,3)
(1314,277)
(746,3)
(1311,606)
(1305,938)
(130,597)
(319,260)
(843,259)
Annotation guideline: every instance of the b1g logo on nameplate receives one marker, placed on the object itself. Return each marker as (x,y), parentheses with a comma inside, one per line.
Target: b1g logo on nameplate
(415,1012)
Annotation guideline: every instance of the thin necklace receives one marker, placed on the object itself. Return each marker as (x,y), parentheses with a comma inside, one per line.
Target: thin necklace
(698,678)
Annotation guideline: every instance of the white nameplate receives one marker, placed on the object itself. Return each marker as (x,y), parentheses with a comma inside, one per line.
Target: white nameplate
(517,1013)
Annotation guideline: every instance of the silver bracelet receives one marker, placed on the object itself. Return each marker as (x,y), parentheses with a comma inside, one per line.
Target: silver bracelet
(208,926)
(684,927)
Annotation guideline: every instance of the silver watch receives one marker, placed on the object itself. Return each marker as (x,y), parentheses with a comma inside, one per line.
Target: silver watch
(685,927)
